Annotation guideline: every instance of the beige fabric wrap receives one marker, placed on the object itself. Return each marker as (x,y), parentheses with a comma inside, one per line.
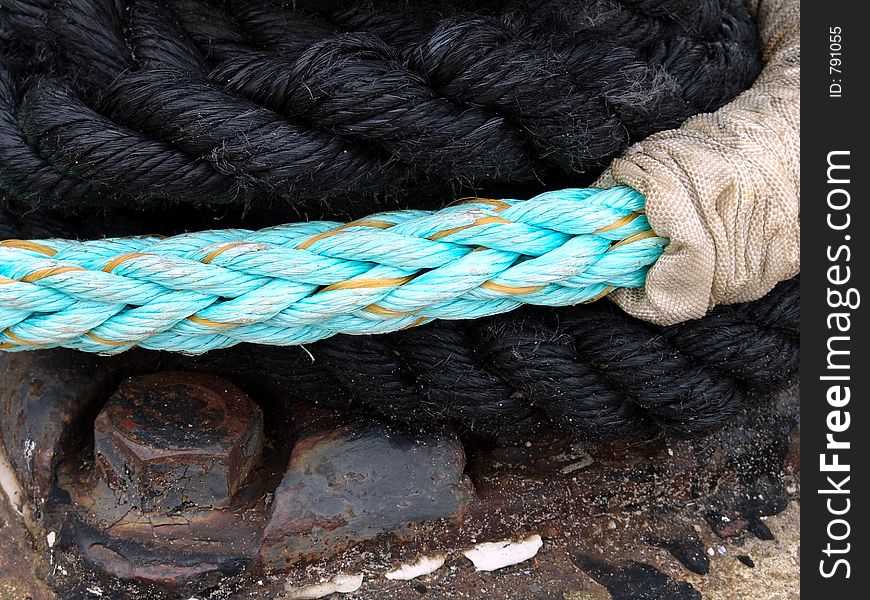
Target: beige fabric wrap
(725,188)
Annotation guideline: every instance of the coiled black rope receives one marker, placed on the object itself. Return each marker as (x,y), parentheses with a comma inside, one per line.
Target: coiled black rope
(318,104)
(591,371)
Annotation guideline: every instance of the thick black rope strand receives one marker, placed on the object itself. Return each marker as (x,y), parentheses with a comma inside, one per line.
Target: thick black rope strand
(511,76)
(591,371)
(663,33)
(434,376)
(349,108)
(88,146)
(355,87)
(24,172)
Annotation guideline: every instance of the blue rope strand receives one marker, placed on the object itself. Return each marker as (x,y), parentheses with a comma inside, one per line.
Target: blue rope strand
(298,283)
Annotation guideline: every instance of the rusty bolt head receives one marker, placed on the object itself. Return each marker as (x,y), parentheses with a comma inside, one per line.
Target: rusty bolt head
(174,440)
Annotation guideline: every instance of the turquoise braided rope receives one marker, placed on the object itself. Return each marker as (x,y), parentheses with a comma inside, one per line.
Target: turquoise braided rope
(298,283)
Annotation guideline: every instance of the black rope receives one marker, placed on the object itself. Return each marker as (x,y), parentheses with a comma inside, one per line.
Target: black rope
(591,371)
(325,107)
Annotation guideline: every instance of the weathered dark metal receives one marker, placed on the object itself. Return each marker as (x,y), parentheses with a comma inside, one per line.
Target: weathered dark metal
(168,441)
(48,400)
(350,484)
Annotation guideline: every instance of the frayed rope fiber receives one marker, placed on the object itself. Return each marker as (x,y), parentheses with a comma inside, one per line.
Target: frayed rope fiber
(346,107)
(298,283)
(591,371)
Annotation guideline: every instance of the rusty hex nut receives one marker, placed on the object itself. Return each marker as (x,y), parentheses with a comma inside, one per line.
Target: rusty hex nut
(170,441)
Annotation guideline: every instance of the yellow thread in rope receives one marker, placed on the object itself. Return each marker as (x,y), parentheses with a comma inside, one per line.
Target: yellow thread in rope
(633,238)
(600,295)
(48,272)
(343,229)
(19,341)
(508,289)
(209,323)
(387,312)
(103,340)
(28,245)
(365,283)
(215,253)
(419,321)
(478,222)
(619,223)
(113,264)
(499,205)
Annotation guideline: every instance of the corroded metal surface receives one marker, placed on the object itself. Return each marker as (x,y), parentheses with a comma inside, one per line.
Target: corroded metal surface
(673,517)
(357,493)
(169,489)
(47,400)
(354,483)
(177,439)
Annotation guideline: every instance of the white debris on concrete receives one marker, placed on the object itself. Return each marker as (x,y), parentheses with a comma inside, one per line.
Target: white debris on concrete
(341,583)
(29,447)
(577,457)
(490,556)
(422,566)
(50,539)
(11,488)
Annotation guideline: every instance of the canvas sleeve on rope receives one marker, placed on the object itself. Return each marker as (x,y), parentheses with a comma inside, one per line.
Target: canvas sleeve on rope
(724,188)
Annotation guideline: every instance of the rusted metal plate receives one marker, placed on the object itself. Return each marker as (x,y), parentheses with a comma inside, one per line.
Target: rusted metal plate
(354,483)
